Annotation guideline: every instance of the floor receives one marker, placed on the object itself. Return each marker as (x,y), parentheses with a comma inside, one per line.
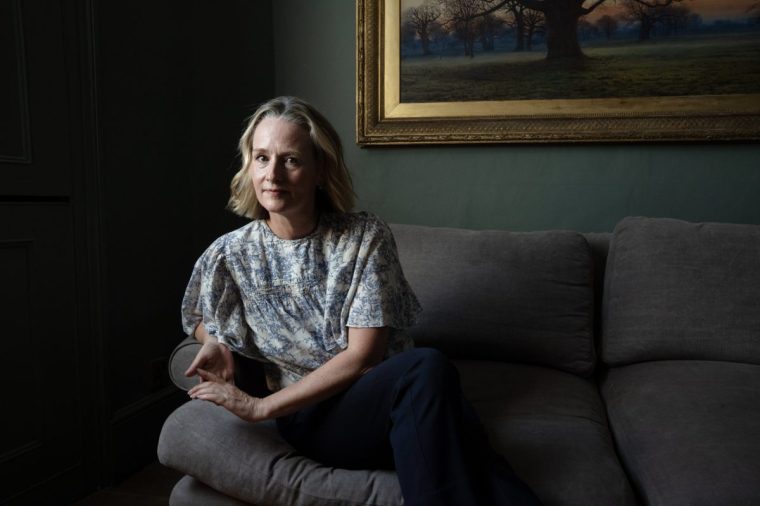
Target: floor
(149,487)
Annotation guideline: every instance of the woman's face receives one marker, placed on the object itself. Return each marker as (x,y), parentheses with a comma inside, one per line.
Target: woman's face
(284,170)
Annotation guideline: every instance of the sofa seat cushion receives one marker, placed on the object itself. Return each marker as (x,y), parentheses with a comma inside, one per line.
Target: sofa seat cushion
(688,431)
(550,425)
(513,296)
(190,492)
(552,428)
(680,290)
(252,463)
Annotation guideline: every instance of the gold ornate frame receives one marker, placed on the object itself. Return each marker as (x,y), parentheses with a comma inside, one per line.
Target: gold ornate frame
(383,120)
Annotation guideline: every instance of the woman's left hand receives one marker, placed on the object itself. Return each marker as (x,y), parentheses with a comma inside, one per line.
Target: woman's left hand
(215,389)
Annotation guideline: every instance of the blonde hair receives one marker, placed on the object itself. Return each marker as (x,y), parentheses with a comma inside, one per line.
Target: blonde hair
(336,194)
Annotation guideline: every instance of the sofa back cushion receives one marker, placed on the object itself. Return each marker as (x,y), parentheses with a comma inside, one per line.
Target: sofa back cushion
(600,245)
(510,296)
(680,290)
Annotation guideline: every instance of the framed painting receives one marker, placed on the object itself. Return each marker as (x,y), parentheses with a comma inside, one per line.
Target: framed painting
(535,71)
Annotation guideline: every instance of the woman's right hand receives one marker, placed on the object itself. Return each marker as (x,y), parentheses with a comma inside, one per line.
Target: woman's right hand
(216,358)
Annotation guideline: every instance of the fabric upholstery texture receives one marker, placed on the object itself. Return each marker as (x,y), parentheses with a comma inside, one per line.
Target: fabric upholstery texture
(552,428)
(252,463)
(679,290)
(688,431)
(190,492)
(511,296)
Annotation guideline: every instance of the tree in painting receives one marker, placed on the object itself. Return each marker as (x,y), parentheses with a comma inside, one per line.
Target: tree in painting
(559,20)
(461,16)
(608,25)
(525,22)
(423,20)
(631,48)
(670,18)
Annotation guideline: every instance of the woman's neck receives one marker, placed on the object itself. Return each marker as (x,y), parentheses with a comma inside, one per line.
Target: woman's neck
(287,228)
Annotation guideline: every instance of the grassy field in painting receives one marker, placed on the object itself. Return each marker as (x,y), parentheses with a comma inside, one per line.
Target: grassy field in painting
(697,65)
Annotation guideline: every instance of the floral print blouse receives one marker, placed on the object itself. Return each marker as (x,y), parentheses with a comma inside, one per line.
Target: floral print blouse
(288,303)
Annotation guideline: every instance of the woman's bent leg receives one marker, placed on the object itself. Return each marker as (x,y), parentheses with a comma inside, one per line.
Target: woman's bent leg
(349,430)
(410,411)
(443,456)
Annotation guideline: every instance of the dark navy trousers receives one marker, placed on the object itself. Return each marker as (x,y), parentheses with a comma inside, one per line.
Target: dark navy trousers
(409,414)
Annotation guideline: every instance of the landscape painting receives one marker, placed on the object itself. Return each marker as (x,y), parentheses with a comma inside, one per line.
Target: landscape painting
(492,71)
(548,49)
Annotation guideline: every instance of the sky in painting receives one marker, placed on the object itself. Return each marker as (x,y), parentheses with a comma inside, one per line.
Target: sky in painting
(710,10)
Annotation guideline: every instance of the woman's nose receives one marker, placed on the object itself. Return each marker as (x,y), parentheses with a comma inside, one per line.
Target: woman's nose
(274,170)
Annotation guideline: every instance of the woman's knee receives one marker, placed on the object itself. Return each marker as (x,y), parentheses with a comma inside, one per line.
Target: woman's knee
(433,369)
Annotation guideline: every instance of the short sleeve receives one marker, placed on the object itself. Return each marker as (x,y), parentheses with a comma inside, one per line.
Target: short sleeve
(380,295)
(213,297)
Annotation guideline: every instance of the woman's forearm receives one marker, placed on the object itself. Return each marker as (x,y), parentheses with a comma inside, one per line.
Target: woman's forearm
(366,348)
(201,334)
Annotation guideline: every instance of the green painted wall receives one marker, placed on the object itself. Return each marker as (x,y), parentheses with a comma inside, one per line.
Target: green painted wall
(580,187)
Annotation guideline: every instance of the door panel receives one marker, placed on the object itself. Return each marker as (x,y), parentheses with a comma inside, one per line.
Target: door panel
(41,435)
(35,156)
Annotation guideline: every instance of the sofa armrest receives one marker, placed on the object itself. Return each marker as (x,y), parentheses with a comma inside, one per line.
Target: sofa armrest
(180,360)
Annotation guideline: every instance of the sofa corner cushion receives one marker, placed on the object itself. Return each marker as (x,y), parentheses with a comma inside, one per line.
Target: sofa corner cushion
(497,295)
(252,463)
(680,290)
(688,432)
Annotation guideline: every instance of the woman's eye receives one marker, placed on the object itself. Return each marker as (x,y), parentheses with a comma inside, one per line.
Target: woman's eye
(261,158)
(291,160)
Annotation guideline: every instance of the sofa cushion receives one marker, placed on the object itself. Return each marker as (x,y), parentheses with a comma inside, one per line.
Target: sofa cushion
(552,428)
(550,425)
(190,492)
(688,431)
(679,290)
(600,245)
(512,296)
(252,463)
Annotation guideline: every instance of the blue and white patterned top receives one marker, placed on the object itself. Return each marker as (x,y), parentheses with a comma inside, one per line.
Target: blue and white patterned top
(288,303)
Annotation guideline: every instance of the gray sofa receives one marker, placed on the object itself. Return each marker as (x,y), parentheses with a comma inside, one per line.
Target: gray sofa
(620,379)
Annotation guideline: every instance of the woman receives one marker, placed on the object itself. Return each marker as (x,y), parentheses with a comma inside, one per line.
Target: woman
(317,294)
